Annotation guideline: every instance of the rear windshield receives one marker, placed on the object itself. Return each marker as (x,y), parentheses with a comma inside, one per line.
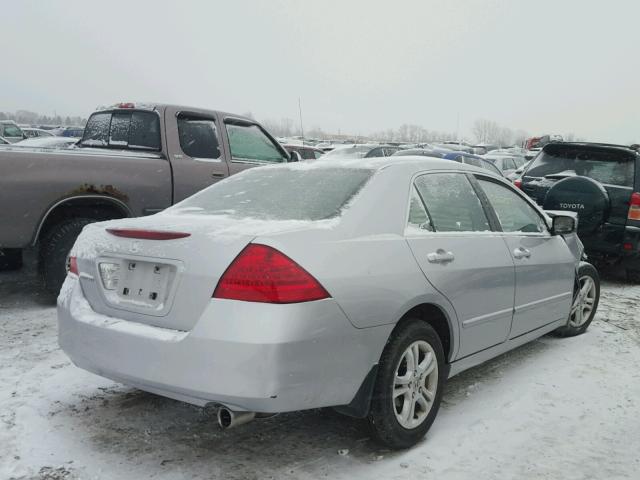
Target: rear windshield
(279,194)
(123,129)
(608,167)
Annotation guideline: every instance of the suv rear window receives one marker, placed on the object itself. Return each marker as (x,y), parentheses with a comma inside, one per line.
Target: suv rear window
(134,130)
(610,167)
(280,194)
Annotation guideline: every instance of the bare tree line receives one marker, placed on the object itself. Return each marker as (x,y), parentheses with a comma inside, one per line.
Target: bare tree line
(33,118)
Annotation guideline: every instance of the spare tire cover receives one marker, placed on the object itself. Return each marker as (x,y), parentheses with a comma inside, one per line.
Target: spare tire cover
(582,195)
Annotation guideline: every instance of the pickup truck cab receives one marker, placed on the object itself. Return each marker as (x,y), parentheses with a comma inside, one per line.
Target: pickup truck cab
(133,160)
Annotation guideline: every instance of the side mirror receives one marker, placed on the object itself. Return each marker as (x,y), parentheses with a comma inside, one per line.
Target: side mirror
(295,157)
(563,225)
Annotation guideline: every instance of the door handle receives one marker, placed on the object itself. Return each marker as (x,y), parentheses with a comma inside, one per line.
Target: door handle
(440,256)
(218,174)
(521,252)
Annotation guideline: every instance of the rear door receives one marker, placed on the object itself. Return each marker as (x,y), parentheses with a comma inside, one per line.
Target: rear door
(195,149)
(453,242)
(544,265)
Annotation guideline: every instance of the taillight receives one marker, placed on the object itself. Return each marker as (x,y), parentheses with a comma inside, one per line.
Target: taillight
(263,274)
(73,265)
(634,207)
(146,234)
(518,183)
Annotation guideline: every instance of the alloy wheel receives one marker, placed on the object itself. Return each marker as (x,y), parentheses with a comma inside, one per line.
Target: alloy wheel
(583,302)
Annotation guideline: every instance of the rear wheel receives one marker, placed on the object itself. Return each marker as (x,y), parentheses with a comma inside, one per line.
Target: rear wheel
(55,248)
(585,302)
(408,387)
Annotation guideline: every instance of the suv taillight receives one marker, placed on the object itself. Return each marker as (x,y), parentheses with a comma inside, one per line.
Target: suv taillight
(634,207)
(263,274)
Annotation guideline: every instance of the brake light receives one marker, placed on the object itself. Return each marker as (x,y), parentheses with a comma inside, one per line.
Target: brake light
(146,234)
(518,183)
(263,274)
(634,207)
(73,265)
(126,105)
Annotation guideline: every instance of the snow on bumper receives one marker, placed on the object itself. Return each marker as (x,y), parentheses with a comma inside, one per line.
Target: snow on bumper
(247,356)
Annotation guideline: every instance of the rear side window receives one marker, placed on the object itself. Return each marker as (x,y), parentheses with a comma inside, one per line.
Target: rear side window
(280,194)
(608,167)
(514,213)
(452,203)
(133,130)
(249,142)
(198,137)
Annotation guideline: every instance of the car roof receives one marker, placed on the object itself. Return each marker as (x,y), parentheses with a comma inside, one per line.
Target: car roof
(604,146)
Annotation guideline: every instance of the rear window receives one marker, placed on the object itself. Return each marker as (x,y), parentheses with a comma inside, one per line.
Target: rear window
(608,167)
(122,129)
(280,194)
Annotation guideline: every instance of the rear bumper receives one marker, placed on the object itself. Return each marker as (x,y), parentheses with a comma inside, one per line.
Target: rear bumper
(246,356)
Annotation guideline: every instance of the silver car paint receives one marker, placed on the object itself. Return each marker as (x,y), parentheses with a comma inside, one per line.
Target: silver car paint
(288,357)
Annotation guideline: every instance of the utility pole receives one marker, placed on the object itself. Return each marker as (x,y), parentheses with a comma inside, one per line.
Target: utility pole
(300,112)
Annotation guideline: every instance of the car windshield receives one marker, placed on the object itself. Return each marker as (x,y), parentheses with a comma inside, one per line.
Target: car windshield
(280,194)
(349,152)
(611,167)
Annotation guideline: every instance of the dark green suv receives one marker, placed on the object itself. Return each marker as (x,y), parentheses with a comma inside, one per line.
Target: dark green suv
(600,182)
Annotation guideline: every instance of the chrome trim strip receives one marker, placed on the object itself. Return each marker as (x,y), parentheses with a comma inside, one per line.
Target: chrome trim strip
(472,322)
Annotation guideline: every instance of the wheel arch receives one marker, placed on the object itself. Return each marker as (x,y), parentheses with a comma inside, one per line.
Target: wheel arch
(100,207)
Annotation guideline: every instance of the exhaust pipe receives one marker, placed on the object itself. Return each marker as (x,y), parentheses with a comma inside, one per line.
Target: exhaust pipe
(229,419)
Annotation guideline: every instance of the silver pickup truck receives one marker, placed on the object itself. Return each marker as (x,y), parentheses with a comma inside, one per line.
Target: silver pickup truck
(133,160)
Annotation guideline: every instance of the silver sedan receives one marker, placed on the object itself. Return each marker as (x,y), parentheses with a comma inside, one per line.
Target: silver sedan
(356,284)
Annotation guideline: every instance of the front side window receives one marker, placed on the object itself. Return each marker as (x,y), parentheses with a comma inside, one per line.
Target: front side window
(514,213)
(452,203)
(249,142)
(12,131)
(198,137)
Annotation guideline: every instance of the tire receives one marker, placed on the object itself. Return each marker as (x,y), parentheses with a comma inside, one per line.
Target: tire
(385,425)
(10,259)
(54,250)
(577,326)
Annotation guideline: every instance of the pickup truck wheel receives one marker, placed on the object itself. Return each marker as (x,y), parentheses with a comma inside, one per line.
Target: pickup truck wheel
(585,302)
(408,390)
(10,259)
(55,248)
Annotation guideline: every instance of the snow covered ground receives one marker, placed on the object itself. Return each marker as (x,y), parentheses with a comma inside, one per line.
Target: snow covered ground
(556,409)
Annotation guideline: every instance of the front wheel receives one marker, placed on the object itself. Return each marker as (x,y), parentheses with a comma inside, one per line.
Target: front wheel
(408,389)
(585,302)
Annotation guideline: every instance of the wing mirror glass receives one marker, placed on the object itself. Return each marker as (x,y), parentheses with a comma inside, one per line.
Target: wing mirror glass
(563,225)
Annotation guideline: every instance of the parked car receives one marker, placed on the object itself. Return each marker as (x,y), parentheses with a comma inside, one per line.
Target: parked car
(505,163)
(36,132)
(456,147)
(306,152)
(48,142)
(601,183)
(69,132)
(11,131)
(362,151)
(133,160)
(474,160)
(263,293)
(517,174)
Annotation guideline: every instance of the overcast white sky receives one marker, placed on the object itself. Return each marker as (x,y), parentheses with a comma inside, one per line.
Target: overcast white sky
(359,66)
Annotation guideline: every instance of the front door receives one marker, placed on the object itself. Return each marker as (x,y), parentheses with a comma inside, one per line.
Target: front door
(545,267)
(462,258)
